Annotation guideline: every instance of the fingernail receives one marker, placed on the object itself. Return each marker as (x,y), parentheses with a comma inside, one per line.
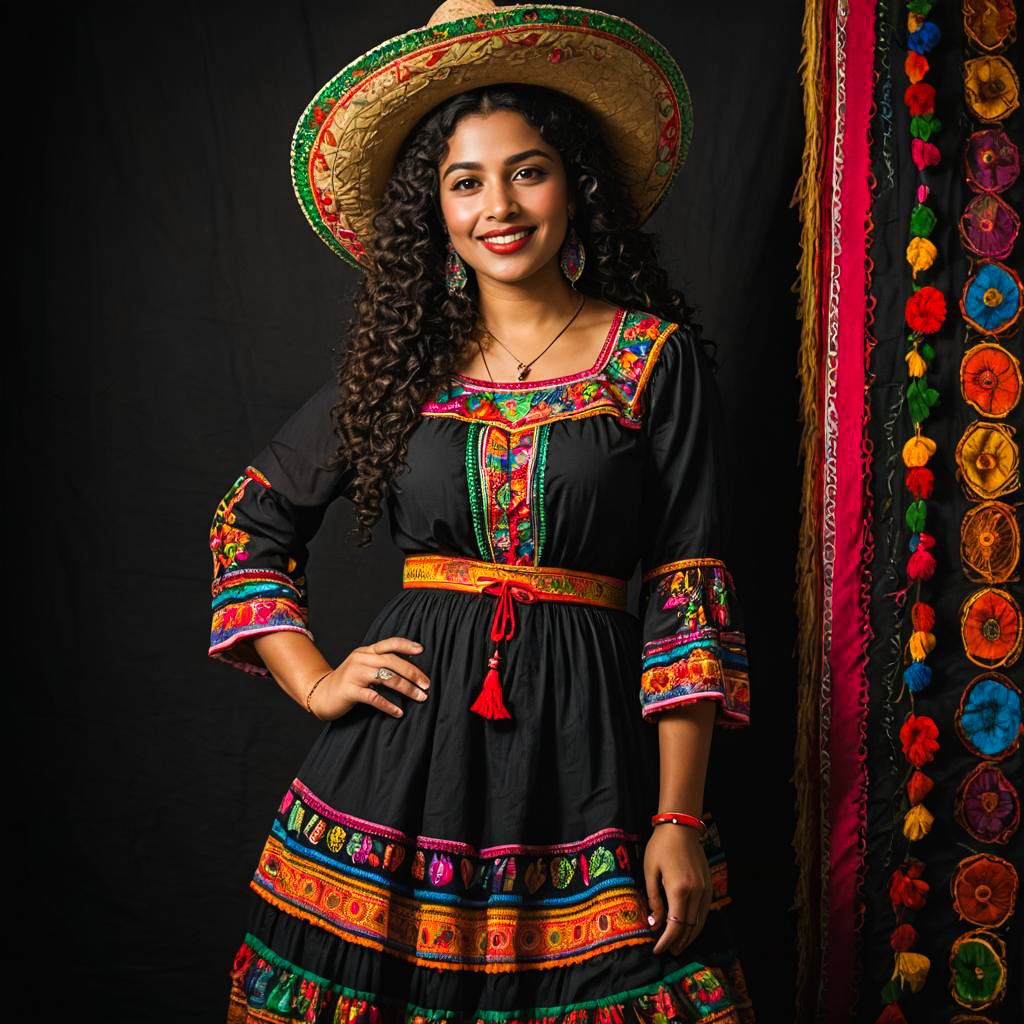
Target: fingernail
(650,920)
(421,695)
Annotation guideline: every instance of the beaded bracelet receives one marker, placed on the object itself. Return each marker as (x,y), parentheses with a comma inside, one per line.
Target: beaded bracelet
(310,694)
(678,818)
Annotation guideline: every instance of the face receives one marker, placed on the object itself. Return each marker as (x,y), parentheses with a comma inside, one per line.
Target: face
(504,196)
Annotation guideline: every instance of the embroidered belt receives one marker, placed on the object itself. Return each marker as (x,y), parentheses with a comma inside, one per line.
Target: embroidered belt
(510,583)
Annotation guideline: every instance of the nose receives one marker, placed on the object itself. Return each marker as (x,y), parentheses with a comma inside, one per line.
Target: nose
(501,205)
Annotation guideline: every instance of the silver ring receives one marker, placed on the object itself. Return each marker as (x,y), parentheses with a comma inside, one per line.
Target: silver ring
(383,673)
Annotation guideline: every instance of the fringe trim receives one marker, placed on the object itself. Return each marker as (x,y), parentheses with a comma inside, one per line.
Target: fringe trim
(808,583)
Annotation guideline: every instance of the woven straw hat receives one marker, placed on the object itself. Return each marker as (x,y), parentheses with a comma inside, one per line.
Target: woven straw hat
(348,137)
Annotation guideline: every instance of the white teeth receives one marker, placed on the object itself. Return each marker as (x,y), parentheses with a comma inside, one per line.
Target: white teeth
(505,239)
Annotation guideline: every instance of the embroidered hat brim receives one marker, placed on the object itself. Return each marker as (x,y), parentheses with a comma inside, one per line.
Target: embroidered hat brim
(347,139)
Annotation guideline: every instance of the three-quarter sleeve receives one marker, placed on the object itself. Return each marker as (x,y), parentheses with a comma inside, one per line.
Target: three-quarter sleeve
(692,627)
(261,529)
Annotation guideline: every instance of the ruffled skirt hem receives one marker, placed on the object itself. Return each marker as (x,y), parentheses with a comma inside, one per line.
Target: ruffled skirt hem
(268,989)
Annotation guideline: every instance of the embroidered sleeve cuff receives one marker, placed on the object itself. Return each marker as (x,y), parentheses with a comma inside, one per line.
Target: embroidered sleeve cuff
(694,645)
(248,602)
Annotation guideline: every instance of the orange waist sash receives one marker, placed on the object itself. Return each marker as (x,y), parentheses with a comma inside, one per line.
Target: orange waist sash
(510,583)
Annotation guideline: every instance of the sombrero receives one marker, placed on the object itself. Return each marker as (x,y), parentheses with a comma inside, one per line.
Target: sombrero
(348,137)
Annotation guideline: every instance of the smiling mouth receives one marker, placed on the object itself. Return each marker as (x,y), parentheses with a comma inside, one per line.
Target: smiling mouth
(507,241)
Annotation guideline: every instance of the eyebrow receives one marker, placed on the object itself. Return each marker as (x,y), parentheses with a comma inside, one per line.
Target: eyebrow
(513,159)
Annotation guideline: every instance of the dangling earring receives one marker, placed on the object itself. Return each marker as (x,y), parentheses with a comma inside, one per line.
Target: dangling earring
(573,256)
(455,271)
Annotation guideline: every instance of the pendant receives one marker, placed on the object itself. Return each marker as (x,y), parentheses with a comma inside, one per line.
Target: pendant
(523,372)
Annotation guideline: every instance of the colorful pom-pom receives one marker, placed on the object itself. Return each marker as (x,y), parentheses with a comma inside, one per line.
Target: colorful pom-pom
(922,616)
(919,481)
(917,676)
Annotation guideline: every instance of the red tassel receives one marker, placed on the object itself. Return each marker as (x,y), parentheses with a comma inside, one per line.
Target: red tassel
(490,701)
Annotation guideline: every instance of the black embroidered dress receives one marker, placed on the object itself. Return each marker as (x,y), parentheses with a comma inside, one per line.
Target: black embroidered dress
(443,866)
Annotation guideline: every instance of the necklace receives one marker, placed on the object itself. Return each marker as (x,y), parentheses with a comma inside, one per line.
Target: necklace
(523,369)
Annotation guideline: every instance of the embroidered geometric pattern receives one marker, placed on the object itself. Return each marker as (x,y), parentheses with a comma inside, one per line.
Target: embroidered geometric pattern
(444,903)
(251,601)
(699,649)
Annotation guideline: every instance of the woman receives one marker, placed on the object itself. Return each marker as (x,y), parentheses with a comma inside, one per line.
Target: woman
(474,836)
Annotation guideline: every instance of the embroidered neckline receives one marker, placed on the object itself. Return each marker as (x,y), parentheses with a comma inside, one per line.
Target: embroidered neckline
(604,357)
(612,387)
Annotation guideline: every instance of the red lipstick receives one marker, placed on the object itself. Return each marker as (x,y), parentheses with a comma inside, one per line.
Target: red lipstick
(512,239)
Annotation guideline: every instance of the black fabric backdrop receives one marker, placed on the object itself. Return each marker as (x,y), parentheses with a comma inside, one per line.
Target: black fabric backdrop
(174,308)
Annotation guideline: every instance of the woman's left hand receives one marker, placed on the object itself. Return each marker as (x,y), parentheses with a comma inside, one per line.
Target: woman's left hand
(674,861)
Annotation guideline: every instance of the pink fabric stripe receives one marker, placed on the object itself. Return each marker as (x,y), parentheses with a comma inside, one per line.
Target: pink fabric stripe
(847,795)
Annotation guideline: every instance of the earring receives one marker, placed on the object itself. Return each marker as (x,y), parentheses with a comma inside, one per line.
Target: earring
(454,271)
(573,256)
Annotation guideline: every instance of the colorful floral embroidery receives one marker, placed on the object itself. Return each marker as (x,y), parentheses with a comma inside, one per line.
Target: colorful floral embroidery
(267,987)
(248,601)
(698,650)
(505,475)
(443,902)
(613,389)
(226,542)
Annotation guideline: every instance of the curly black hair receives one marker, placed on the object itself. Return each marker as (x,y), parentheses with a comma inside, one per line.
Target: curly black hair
(409,335)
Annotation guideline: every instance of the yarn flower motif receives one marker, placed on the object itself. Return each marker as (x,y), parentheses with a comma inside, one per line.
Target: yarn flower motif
(988,227)
(977,964)
(989,22)
(989,717)
(993,161)
(988,459)
(987,805)
(918,737)
(984,890)
(991,628)
(990,379)
(990,542)
(991,88)
(926,310)
(991,298)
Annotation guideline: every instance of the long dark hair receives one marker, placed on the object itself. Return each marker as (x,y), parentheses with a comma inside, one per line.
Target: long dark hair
(409,334)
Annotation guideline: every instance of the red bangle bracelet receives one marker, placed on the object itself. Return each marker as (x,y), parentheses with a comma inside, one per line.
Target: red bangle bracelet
(678,818)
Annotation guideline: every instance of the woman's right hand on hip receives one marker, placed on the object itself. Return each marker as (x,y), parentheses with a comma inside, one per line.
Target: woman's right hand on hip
(353,680)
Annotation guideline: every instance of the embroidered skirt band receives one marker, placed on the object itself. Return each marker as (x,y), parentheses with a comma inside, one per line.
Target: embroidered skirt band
(510,583)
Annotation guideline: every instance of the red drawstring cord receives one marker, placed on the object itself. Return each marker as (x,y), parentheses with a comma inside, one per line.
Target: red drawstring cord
(490,701)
